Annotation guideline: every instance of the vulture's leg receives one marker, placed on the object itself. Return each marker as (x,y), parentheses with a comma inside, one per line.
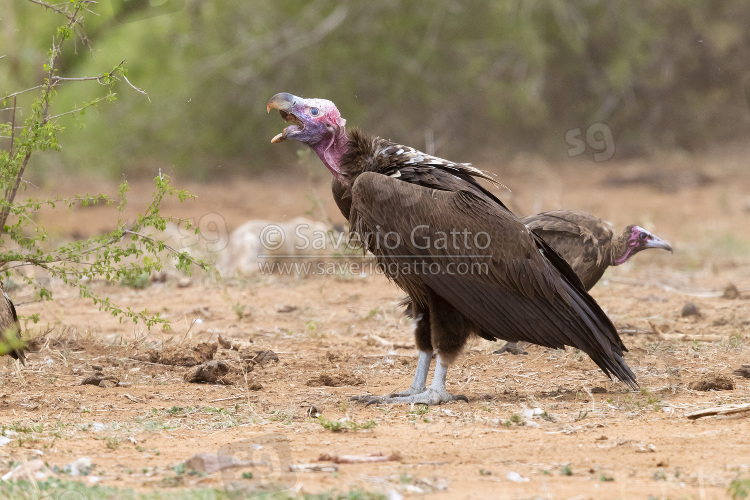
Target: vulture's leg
(424,344)
(449,331)
(511,347)
(420,377)
(422,337)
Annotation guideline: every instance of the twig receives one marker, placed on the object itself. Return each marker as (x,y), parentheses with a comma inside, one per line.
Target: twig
(718,410)
(52,8)
(14,94)
(169,248)
(148,362)
(13,127)
(10,195)
(312,468)
(359,459)
(226,399)
(136,88)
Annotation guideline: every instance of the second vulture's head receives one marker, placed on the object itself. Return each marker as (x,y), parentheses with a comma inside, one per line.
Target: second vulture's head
(315,122)
(638,239)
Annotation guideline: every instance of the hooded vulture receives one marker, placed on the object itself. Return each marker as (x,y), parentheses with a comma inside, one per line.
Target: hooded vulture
(10,329)
(469,265)
(588,243)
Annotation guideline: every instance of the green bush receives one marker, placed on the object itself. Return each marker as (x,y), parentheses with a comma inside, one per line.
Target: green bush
(126,253)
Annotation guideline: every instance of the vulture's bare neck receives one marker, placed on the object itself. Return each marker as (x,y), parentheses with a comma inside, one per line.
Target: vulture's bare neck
(331,150)
(621,252)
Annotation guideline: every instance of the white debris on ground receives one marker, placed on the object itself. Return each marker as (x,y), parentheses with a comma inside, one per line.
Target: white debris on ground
(257,242)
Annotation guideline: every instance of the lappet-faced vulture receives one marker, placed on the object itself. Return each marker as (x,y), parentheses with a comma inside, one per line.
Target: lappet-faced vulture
(469,265)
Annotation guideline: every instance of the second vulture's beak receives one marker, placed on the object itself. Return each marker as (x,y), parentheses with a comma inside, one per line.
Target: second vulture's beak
(657,242)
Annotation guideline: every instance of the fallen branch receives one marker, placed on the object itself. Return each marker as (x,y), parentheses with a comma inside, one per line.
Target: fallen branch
(718,410)
(312,468)
(359,459)
(687,337)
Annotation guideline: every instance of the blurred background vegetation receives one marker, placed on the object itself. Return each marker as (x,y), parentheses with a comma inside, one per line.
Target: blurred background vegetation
(468,80)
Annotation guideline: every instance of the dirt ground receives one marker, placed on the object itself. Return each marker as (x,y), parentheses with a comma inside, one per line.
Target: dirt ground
(547,424)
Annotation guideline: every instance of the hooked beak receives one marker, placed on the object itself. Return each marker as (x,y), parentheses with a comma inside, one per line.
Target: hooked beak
(657,242)
(285,103)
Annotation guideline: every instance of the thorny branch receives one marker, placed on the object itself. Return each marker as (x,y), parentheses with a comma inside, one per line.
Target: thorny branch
(11,195)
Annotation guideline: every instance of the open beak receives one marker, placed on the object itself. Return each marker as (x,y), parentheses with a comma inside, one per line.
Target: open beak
(657,242)
(285,104)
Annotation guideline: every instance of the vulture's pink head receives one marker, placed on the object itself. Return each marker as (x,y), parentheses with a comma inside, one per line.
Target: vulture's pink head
(315,122)
(639,239)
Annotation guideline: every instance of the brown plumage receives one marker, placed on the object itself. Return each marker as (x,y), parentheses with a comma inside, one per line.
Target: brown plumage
(469,265)
(586,242)
(10,328)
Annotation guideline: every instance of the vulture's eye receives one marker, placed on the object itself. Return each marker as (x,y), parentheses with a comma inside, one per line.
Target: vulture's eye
(643,236)
(314,111)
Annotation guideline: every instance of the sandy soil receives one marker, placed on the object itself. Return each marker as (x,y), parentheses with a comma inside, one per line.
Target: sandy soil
(337,336)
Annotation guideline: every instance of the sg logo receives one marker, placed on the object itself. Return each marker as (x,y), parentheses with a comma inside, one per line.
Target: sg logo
(598,137)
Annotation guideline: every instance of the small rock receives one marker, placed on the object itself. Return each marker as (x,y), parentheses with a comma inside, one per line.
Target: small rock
(337,379)
(101,380)
(225,343)
(212,372)
(124,384)
(254,385)
(713,382)
(598,390)
(514,348)
(80,467)
(645,448)
(285,308)
(690,309)
(185,356)
(516,477)
(184,282)
(4,440)
(158,277)
(530,413)
(743,371)
(731,292)
(255,357)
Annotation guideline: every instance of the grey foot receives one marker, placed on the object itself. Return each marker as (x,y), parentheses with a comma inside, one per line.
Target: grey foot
(428,397)
(411,391)
(511,347)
